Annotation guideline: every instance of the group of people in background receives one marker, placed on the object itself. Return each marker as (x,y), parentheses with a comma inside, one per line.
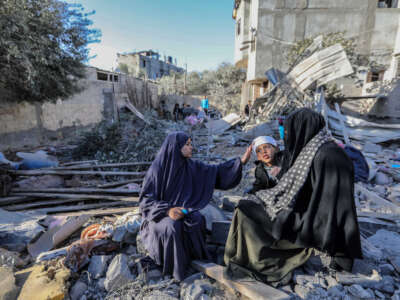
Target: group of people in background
(302,200)
(180,113)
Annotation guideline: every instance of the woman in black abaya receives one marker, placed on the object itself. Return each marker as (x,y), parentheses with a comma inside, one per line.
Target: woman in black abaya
(312,206)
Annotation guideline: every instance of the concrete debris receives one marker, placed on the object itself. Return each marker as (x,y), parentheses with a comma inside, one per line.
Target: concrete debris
(17,229)
(118,273)
(8,289)
(196,290)
(387,241)
(212,213)
(382,179)
(126,227)
(358,291)
(57,234)
(106,258)
(77,290)
(46,282)
(98,265)
(220,126)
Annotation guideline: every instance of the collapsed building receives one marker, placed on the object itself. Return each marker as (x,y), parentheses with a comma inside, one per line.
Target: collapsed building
(265,30)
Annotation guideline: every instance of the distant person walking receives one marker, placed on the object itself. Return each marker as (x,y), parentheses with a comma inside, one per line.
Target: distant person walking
(204,104)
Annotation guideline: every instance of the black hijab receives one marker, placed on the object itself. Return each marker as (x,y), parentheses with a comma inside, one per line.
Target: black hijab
(300,127)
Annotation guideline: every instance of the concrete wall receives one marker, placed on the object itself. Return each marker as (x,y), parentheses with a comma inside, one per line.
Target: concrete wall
(25,124)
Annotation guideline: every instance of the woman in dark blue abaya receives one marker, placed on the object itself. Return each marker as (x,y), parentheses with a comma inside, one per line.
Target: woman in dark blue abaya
(174,189)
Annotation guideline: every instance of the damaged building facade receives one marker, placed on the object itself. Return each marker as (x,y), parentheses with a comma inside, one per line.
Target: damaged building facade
(149,63)
(265,29)
(103,92)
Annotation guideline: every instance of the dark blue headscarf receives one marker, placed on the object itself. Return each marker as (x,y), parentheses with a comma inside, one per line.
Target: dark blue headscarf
(175,181)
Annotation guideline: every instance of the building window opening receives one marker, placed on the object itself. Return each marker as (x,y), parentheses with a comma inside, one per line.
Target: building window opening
(115,78)
(238,27)
(388,3)
(102,76)
(374,76)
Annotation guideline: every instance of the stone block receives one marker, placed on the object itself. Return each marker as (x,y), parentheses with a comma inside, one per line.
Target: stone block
(118,273)
(98,265)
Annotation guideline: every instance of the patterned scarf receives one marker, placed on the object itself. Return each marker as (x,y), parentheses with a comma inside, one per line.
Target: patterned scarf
(282,196)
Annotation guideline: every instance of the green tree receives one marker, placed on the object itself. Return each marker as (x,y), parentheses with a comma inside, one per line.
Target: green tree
(43,48)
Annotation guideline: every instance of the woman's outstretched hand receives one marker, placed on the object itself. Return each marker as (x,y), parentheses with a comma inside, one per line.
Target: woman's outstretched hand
(175,213)
(246,156)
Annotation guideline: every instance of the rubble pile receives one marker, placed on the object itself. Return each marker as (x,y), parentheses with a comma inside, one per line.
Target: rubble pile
(130,140)
(76,235)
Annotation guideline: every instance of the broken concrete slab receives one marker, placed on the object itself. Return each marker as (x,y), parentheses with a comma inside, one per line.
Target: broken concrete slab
(98,265)
(8,289)
(56,235)
(372,148)
(386,241)
(358,291)
(18,228)
(220,126)
(251,289)
(375,281)
(118,273)
(382,179)
(212,213)
(126,227)
(42,283)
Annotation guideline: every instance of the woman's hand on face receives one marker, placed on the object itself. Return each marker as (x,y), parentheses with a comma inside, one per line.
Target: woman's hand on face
(175,213)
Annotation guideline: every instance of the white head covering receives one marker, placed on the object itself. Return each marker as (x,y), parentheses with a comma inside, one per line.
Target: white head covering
(263,140)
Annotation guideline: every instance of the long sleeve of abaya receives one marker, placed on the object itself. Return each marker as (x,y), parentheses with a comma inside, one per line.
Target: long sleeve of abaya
(229,174)
(153,209)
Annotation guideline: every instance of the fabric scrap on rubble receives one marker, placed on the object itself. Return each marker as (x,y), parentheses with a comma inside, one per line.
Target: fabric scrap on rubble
(78,253)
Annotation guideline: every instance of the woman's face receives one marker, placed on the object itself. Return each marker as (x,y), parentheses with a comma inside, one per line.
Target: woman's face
(187,149)
(266,153)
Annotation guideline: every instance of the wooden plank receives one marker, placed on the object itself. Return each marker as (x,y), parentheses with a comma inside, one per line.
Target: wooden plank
(253,289)
(49,203)
(133,109)
(102,212)
(52,210)
(81,197)
(14,199)
(69,173)
(79,162)
(77,191)
(91,166)
(119,183)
